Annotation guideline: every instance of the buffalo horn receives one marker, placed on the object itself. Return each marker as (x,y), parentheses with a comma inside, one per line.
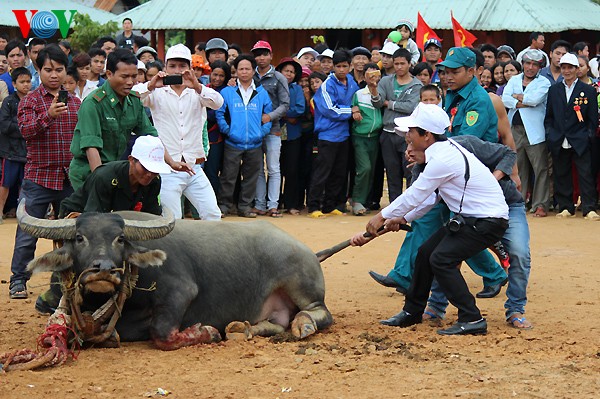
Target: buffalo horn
(143,230)
(62,229)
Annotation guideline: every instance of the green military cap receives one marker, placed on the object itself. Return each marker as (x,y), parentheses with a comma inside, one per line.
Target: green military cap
(458,57)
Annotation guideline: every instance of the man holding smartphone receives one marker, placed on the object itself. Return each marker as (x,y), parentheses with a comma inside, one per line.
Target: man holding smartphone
(178,103)
(47,126)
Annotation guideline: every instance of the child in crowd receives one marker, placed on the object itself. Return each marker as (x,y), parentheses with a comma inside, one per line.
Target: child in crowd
(366,128)
(406,29)
(152,68)
(13,150)
(430,94)
(141,72)
(71,80)
(201,69)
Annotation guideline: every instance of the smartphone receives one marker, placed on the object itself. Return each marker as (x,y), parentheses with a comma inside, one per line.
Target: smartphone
(172,80)
(63,96)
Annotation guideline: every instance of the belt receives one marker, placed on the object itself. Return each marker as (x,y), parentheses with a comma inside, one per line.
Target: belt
(471,221)
(199,161)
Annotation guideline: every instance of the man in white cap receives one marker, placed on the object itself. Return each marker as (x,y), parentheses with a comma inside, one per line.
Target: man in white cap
(387,59)
(306,56)
(133,184)
(326,60)
(179,114)
(571,121)
(471,192)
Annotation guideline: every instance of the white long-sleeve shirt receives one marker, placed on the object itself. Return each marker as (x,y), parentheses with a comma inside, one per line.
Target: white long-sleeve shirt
(445,171)
(179,119)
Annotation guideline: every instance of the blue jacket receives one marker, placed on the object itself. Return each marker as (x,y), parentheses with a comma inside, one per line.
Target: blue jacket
(333,108)
(296,110)
(240,123)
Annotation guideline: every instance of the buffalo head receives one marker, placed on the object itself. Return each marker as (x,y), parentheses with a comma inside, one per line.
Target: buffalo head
(95,245)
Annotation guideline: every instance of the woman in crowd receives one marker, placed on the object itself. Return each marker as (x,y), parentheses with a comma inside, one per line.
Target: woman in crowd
(498,77)
(583,72)
(83,63)
(487,80)
(152,68)
(219,76)
(291,144)
(511,69)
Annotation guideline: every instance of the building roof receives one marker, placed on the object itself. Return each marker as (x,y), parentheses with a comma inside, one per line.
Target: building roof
(486,15)
(7,18)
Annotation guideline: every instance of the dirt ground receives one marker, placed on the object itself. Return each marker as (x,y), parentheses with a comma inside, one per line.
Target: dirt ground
(356,357)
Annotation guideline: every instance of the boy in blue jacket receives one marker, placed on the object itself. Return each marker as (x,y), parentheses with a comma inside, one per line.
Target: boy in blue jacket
(240,121)
(333,103)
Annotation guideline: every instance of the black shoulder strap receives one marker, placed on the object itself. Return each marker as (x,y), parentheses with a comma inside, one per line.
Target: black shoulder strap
(466,176)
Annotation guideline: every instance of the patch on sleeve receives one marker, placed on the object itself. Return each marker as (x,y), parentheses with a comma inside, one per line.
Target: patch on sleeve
(472,117)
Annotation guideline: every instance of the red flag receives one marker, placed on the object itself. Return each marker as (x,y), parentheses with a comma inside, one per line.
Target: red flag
(462,37)
(424,32)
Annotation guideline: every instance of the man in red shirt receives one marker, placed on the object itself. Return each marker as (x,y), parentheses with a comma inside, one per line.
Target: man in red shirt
(47,126)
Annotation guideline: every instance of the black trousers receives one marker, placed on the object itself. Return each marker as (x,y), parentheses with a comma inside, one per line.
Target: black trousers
(329,172)
(393,148)
(440,256)
(290,169)
(563,180)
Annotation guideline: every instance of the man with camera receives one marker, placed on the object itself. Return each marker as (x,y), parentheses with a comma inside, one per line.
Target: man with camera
(178,103)
(471,191)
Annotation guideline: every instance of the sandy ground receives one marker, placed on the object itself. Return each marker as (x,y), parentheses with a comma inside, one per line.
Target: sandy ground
(356,357)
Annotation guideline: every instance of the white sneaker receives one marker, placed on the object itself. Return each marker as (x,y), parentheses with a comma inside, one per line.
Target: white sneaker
(565,214)
(592,215)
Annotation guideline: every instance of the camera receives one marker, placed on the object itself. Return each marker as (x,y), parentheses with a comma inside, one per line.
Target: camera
(455,223)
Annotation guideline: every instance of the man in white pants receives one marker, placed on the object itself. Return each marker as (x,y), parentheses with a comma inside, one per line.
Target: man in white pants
(179,114)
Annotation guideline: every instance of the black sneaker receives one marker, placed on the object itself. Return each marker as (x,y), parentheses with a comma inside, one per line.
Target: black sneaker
(43,307)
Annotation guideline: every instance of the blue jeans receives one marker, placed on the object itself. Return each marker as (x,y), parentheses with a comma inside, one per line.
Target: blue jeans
(272,148)
(37,199)
(483,263)
(516,242)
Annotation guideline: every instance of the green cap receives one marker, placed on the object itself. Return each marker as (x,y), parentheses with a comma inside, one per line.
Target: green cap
(458,57)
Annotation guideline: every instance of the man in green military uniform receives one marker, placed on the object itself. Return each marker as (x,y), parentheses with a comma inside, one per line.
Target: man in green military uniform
(108,117)
(467,103)
(133,184)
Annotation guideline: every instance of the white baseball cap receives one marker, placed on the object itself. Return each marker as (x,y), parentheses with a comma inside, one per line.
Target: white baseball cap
(307,50)
(179,51)
(389,48)
(570,59)
(430,117)
(149,150)
(141,66)
(326,53)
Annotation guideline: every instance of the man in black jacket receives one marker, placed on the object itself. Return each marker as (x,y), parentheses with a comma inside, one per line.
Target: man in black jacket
(13,150)
(571,121)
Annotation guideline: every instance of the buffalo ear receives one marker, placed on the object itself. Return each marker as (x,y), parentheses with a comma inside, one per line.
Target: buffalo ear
(55,261)
(144,257)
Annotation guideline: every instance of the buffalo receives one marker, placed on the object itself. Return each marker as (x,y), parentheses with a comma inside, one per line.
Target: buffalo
(197,282)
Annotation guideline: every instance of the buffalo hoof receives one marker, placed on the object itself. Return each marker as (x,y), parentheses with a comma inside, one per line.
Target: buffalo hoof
(114,341)
(238,330)
(303,325)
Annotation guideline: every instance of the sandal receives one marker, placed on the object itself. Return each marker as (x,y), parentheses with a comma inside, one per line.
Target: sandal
(18,290)
(335,212)
(520,323)
(258,211)
(540,212)
(294,212)
(274,213)
(432,317)
(358,209)
(316,215)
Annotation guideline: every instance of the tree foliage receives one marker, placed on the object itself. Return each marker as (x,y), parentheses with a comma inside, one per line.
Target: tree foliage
(86,31)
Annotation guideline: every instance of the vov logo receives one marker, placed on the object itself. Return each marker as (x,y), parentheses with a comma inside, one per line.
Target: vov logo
(44,24)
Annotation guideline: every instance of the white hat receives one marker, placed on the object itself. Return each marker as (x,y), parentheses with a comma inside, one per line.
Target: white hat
(179,51)
(326,53)
(149,150)
(307,50)
(570,59)
(141,66)
(389,48)
(429,117)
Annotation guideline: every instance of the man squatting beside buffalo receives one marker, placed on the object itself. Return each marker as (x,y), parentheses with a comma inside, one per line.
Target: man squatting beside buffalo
(481,218)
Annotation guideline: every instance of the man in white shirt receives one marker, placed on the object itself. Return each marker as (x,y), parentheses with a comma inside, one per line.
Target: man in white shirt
(481,217)
(179,113)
